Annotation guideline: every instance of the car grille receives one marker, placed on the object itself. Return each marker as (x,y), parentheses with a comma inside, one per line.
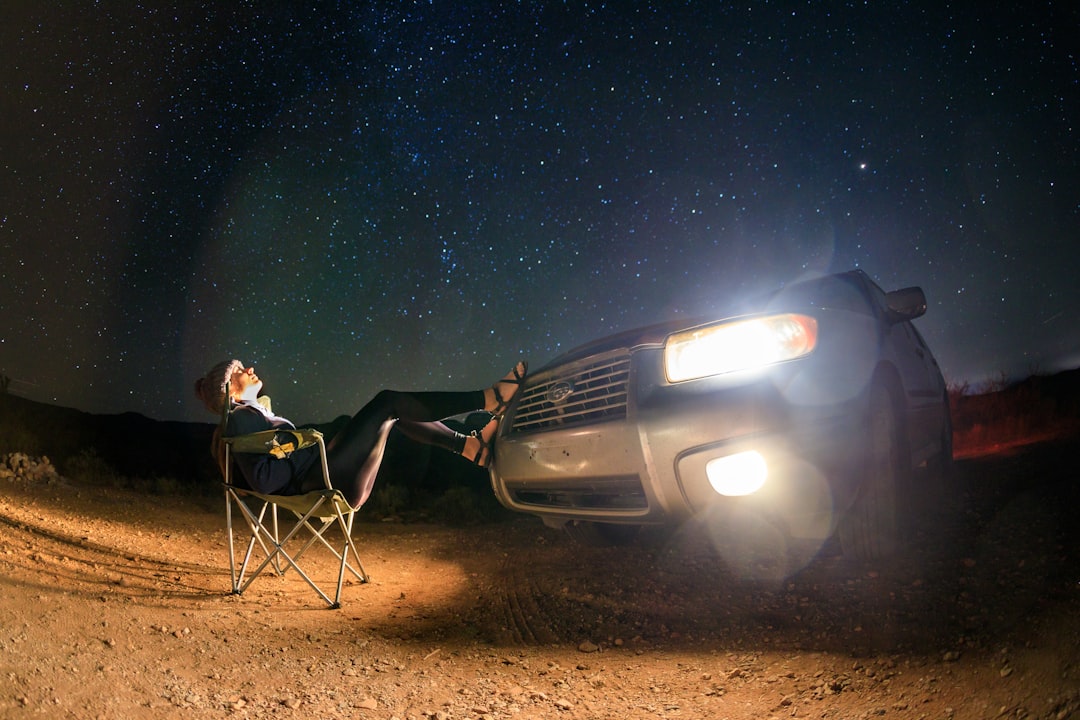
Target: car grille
(596,392)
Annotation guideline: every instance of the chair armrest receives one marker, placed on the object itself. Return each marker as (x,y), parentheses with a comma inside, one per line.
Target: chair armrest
(268,442)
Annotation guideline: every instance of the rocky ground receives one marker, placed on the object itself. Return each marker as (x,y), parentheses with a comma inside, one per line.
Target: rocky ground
(113,605)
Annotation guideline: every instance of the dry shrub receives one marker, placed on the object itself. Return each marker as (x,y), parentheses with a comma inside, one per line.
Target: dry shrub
(1000,413)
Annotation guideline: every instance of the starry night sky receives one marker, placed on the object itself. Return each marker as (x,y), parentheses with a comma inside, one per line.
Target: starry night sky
(353,196)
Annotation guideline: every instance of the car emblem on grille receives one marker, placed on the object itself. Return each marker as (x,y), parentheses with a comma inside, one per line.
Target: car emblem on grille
(559,392)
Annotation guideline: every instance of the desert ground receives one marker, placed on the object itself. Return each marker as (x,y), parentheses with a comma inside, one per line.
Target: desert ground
(116,605)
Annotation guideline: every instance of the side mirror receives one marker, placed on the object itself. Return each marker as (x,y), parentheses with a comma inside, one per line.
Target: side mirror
(906,304)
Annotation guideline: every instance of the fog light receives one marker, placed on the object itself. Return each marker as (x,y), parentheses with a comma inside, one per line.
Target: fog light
(739,474)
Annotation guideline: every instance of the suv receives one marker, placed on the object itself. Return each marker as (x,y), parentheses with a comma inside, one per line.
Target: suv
(809,413)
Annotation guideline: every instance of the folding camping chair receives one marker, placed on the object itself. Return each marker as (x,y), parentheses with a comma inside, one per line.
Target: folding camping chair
(315,512)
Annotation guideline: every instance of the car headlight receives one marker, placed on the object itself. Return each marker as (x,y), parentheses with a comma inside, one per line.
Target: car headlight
(738,345)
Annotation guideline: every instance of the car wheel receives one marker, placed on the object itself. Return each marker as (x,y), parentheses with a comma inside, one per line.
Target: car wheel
(871,528)
(598,534)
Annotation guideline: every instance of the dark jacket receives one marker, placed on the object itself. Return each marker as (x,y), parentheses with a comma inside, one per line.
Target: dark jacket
(263,472)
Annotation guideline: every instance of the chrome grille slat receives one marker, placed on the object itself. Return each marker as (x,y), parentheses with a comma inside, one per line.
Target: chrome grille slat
(599,393)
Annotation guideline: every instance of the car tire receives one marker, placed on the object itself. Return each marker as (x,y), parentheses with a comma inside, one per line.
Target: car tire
(871,529)
(598,534)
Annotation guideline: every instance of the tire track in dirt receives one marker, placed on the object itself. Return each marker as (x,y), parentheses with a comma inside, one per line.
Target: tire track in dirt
(518,596)
(34,552)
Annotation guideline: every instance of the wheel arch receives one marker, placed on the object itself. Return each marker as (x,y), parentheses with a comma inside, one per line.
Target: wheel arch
(887,376)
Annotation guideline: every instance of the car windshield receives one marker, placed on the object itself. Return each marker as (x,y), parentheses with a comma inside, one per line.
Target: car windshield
(833,292)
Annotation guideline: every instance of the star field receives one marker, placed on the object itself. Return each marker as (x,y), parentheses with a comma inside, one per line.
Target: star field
(353,196)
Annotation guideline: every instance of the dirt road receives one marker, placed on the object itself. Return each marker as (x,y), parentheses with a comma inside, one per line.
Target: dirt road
(112,606)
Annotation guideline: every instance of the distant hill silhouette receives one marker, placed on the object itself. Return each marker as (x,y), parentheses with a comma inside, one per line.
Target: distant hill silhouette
(133,444)
(140,447)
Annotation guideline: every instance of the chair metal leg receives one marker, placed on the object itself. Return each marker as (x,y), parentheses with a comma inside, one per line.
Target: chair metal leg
(232,548)
(265,529)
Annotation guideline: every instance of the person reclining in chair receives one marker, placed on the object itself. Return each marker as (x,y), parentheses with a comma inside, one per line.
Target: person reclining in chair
(417,415)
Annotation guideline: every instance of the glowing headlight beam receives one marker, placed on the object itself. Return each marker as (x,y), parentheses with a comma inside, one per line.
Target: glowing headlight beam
(738,345)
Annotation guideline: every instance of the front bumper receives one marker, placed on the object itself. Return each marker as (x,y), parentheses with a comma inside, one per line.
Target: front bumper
(635,449)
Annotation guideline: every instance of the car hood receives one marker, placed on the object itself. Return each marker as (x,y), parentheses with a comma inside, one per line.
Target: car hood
(654,335)
(637,338)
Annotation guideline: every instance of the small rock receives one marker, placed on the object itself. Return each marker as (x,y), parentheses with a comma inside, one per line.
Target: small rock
(588,647)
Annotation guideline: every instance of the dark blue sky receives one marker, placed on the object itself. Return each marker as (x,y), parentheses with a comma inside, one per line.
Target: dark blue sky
(354,196)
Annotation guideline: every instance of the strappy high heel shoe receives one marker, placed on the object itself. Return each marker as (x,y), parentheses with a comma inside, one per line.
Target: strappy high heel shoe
(485,453)
(502,403)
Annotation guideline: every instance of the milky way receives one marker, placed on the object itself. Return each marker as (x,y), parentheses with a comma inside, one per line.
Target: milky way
(413,195)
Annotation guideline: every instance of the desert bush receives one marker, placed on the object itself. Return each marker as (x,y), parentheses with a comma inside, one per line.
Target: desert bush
(465,506)
(998,413)
(387,500)
(16,438)
(21,467)
(89,467)
(166,486)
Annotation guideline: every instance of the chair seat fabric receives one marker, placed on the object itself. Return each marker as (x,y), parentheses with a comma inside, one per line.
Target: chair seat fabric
(334,502)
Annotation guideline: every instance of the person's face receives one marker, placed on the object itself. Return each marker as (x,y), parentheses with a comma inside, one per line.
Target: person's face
(245,383)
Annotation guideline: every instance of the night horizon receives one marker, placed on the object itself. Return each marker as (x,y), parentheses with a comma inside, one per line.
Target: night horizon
(364,196)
